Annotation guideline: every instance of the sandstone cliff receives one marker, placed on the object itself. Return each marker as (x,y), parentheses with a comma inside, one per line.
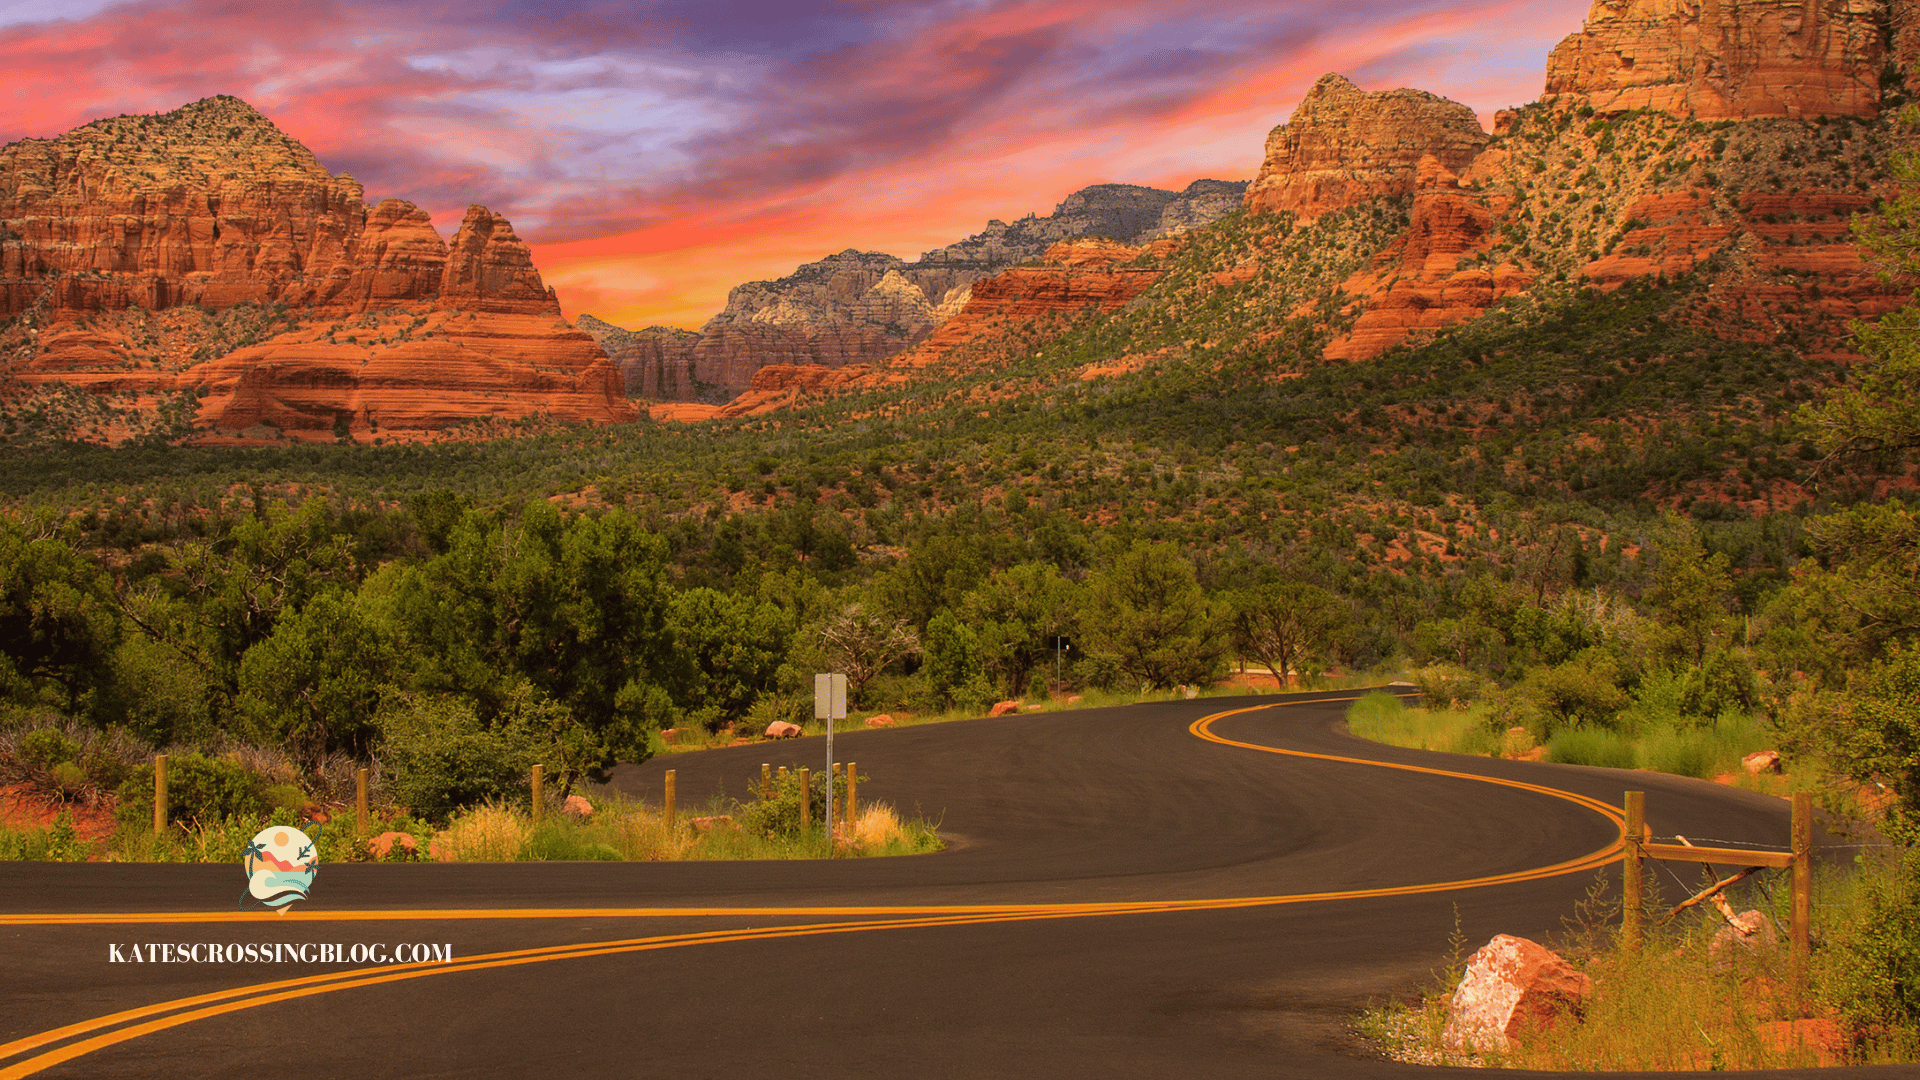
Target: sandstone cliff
(1728,59)
(1343,147)
(210,209)
(863,307)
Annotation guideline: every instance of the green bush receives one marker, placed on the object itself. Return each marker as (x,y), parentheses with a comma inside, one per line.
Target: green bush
(1590,746)
(442,758)
(779,815)
(1872,966)
(200,791)
(44,749)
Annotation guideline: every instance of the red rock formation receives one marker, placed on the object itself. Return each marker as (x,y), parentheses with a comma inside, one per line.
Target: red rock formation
(1417,283)
(1726,59)
(1078,275)
(210,207)
(1343,147)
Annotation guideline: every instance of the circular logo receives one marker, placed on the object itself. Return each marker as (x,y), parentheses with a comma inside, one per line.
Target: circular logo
(279,864)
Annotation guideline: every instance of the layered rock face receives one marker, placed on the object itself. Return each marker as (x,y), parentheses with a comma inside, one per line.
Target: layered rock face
(211,207)
(1343,147)
(864,307)
(1730,59)
(655,363)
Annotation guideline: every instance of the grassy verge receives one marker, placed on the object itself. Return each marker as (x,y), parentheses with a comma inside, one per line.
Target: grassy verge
(1707,751)
(618,830)
(1683,1003)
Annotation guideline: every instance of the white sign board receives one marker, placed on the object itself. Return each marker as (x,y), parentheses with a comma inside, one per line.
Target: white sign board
(829,697)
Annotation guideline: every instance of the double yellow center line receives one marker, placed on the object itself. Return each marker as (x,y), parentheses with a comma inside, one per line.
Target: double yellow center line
(76,1040)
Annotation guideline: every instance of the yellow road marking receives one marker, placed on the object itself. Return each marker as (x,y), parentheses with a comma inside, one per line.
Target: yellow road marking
(186,1010)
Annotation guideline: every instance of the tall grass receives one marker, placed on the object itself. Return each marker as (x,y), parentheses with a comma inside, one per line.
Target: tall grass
(1382,718)
(628,831)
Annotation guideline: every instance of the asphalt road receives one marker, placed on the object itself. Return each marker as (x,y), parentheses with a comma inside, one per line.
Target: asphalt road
(1129,894)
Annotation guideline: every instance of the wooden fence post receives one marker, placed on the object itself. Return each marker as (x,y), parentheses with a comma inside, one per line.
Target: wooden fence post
(360,802)
(853,784)
(159,794)
(670,795)
(538,777)
(1631,883)
(766,781)
(1801,931)
(806,796)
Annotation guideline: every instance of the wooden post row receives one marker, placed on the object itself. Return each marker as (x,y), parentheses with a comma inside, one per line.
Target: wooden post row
(159,794)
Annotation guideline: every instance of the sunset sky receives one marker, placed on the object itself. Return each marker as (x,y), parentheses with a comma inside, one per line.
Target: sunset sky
(657,153)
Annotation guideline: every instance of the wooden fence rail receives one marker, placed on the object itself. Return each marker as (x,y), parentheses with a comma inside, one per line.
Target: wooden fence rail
(1798,860)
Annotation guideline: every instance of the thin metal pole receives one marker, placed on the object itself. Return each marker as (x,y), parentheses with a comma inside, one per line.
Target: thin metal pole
(1630,912)
(829,817)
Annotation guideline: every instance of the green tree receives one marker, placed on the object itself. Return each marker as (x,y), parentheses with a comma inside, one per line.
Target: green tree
(314,685)
(57,624)
(1284,624)
(1690,591)
(1147,612)
(861,640)
(727,650)
(1015,614)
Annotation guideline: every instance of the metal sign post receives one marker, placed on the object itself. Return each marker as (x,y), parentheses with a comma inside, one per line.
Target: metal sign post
(829,704)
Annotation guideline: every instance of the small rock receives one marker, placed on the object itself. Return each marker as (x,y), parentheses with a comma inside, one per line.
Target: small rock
(780,729)
(883,720)
(714,822)
(1761,761)
(670,734)
(384,845)
(1005,707)
(1073,699)
(1511,984)
(577,806)
(1035,708)
(1749,930)
(1190,692)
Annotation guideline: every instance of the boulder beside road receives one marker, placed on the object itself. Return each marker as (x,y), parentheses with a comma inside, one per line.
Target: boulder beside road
(1511,984)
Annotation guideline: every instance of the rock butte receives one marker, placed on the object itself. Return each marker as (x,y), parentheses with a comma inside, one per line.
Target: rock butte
(210,207)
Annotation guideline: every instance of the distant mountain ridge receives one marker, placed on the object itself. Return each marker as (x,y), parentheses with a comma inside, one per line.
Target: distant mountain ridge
(862,307)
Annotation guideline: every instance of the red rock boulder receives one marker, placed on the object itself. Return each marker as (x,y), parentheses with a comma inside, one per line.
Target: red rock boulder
(1511,984)
(883,720)
(780,729)
(392,845)
(1005,707)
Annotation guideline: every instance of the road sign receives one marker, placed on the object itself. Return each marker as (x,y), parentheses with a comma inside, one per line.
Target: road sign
(829,697)
(829,704)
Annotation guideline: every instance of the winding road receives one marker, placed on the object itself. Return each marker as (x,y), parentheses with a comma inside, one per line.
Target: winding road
(1183,889)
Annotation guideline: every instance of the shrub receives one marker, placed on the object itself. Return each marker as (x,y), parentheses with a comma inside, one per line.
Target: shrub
(441,758)
(1872,969)
(45,748)
(779,815)
(200,791)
